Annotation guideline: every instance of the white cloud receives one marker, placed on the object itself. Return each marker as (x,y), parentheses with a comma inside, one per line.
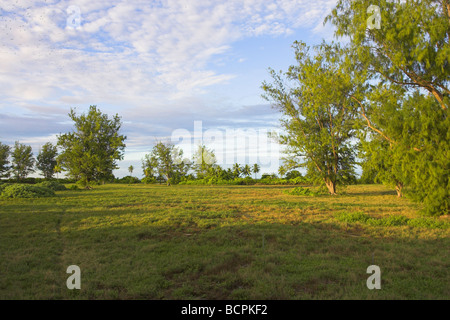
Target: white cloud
(140,48)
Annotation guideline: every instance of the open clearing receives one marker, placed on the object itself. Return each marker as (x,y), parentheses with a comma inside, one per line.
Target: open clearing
(220,242)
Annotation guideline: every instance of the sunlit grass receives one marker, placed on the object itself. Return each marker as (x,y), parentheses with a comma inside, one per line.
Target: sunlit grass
(219,242)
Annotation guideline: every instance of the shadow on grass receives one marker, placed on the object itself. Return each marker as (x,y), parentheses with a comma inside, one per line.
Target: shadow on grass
(241,261)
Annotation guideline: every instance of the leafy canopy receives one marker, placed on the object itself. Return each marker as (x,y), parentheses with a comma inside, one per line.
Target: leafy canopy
(91,151)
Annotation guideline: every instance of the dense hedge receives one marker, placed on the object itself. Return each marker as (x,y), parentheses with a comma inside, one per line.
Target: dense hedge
(53,185)
(25,191)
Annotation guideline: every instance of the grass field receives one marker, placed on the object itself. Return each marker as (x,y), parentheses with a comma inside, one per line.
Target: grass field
(221,242)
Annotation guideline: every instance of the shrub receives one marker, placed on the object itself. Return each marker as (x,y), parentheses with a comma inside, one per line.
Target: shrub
(74,187)
(26,191)
(391,221)
(53,185)
(3,186)
(428,223)
(148,180)
(128,180)
(298,180)
(299,191)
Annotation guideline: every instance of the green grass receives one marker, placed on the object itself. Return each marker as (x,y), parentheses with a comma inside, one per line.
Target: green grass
(221,242)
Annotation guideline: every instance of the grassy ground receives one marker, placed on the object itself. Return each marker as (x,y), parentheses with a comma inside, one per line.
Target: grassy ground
(220,242)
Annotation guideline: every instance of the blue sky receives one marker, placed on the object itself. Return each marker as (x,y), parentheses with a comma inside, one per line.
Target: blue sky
(161,65)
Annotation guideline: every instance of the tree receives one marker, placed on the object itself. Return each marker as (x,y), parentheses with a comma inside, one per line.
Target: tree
(130,170)
(293,174)
(282,171)
(255,169)
(46,160)
(237,170)
(22,161)
(247,171)
(90,153)
(411,47)
(314,98)
(408,56)
(168,162)
(149,166)
(5,151)
(203,160)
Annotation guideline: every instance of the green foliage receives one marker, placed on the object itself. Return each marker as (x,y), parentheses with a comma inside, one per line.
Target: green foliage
(256,168)
(22,161)
(74,187)
(203,161)
(148,180)
(3,186)
(91,151)
(4,160)
(392,221)
(406,67)
(167,162)
(299,191)
(53,185)
(128,180)
(410,49)
(46,160)
(26,191)
(431,223)
(315,99)
(352,217)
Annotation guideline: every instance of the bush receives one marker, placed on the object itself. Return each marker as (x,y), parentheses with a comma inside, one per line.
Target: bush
(53,185)
(74,187)
(429,223)
(352,217)
(3,186)
(391,221)
(299,191)
(148,180)
(128,180)
(26,191)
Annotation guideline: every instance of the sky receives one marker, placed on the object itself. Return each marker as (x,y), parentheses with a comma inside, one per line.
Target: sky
(187,71)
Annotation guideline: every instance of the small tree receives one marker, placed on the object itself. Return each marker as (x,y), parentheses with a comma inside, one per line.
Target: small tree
(150,166)
(46,160)
(247,171)
(203,161)
(237,170)
(130,170)
(22,161)
(4,160)
(281,171)
(91,151)
(168,162)
(256,169)
(318,114)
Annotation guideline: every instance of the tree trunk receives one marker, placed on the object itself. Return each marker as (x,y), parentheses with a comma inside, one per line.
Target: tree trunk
(399,188)
(331,185)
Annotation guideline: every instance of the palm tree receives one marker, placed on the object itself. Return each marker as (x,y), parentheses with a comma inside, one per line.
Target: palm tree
(281,171)
(130,169)
(256,169)
(237,170)
(247,170)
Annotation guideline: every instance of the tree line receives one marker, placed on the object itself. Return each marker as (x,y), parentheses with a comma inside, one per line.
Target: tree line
(90,152)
